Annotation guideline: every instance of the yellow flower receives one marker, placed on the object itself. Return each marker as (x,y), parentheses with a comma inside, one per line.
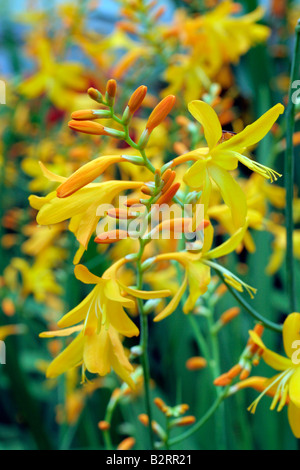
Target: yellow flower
(214,162)
(61,82)
(98,345)
(197,273)
(80,207)
(285,385)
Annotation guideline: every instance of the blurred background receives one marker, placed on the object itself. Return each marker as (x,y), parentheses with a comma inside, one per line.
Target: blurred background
(50,54)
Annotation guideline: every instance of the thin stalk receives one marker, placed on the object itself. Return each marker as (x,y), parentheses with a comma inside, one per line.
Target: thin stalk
(144,344)
(200,423)
(257,316)
(289,178)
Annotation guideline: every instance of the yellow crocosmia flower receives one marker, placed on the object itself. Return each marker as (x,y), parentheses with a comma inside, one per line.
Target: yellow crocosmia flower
(40,238)
(279,246)
(37,279)
(80,207)
(103,306)
(99,352)
(285,386)
(214,162)
(197,273)
(60,82)
(98,345)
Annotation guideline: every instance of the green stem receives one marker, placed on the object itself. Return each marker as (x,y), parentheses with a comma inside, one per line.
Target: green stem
(289,178)
(267,323)
(200,423)
(144,344)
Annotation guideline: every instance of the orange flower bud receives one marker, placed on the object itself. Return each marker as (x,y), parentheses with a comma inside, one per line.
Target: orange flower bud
(146,190)
(196,363)
(126,444)
(86,174)
(111,88)
(83,114)
(159,13)
(234,372)
(88,127)
(221,290)
(95,95)
(133,202)
(168,195)
(169,182)
(144,419)
(222,381)
(229,315)
(186,421)
(120,214)
(127,27)
(103,425)
(112,236)
(245,374)
(8,307)
(160,112)
(160,404)
(137,99)
(180,148)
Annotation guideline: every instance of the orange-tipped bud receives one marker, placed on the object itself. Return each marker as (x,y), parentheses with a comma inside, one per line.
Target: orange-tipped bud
(8,307)
(144,419)
(160,112)
(221,290)
(186,421)
(111,88)
(160,404)
(112,236)
(95,95)
(120,214)
(83,114)
(159,13)
(126,444)
(229,315)
(146,190)
(132,202)
(234,372)
(196,363)
(88,127)
(103,425)
(137,99)
(127,27)
(222,381)
(86,174)
(169,182)
(182,121)
(168,195)
(180,148)
(245,374)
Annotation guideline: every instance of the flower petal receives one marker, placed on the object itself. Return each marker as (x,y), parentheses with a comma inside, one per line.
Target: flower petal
(234,197)
(68,358)
(254,132)
(291,333)
(208,118)
(294,388)
(84,275)
(227,247)
(173,304)
(274,360)
(294,419)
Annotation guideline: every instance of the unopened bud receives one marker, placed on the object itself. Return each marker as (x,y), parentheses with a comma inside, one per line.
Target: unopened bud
(196,363)
(160,112)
